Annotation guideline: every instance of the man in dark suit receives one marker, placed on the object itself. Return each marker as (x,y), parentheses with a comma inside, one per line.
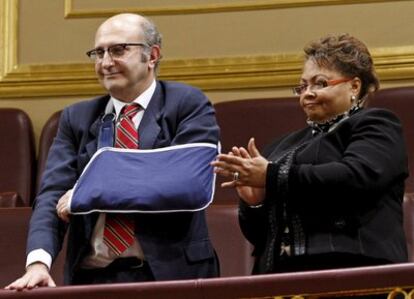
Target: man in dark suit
(166,245)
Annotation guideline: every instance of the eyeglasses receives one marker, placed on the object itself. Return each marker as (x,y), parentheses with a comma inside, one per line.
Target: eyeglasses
(114,51)
(318,85)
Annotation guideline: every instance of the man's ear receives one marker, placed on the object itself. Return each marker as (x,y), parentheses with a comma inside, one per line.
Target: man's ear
(155,55)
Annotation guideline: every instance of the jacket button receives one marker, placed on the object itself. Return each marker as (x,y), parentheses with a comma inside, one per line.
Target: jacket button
(340,223)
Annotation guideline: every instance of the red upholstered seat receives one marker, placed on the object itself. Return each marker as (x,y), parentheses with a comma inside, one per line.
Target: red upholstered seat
(233,250)
(46,138)
(263,119)
(17,157)
(14,224)
(409,224)
(10,200)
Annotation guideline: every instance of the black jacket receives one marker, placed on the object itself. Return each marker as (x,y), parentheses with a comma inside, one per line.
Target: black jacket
(338,192)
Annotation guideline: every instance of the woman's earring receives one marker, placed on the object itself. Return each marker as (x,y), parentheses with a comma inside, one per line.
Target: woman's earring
(353,99)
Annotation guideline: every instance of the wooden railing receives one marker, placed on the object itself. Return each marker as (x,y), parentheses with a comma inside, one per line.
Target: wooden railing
(394,281)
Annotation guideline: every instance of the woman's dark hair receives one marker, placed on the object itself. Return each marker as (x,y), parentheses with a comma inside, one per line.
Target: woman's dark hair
(347,55)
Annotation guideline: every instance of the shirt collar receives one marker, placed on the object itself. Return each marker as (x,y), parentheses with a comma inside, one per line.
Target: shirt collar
(331,124)
(143,99)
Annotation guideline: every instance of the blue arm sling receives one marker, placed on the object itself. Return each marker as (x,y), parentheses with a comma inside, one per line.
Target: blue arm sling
(171,179)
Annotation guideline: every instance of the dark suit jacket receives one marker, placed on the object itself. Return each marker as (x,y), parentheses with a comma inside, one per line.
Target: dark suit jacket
(345,187)
(176,245)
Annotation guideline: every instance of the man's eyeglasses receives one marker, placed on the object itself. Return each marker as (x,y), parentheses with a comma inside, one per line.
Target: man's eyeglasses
(318,85)
(115,51)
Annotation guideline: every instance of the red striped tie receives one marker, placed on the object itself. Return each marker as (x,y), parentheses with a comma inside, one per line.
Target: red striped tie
(119,228)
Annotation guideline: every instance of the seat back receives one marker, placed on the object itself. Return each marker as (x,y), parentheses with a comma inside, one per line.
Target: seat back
(46,139)
(408,208)
(233,250)
(400,100)
(14,224)
(10,200)
(17,157)
(263,119)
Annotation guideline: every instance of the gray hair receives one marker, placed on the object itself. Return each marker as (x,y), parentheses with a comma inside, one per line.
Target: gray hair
(152,37)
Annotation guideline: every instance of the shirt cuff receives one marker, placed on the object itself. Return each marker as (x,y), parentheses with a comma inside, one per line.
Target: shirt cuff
(39,255)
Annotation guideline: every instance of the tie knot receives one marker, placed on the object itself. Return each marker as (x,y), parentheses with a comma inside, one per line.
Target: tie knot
(130,110)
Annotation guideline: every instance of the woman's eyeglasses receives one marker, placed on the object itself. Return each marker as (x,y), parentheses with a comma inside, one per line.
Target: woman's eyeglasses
(320,84)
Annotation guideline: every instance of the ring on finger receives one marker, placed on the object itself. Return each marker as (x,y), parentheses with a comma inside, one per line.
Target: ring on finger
(236,176)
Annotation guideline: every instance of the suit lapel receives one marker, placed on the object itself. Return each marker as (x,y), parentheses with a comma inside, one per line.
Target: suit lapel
(149,127)
(92,145)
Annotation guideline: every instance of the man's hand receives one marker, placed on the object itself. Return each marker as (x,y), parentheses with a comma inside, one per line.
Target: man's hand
(62,207)
(37,275)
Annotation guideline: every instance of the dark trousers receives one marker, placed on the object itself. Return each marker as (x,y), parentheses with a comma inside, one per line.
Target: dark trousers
(121,270)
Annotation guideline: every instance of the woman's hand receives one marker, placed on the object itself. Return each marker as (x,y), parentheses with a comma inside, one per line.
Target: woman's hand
(247,169)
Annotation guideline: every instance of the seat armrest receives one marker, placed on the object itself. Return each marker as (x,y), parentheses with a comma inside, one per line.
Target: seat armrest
(10,200)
